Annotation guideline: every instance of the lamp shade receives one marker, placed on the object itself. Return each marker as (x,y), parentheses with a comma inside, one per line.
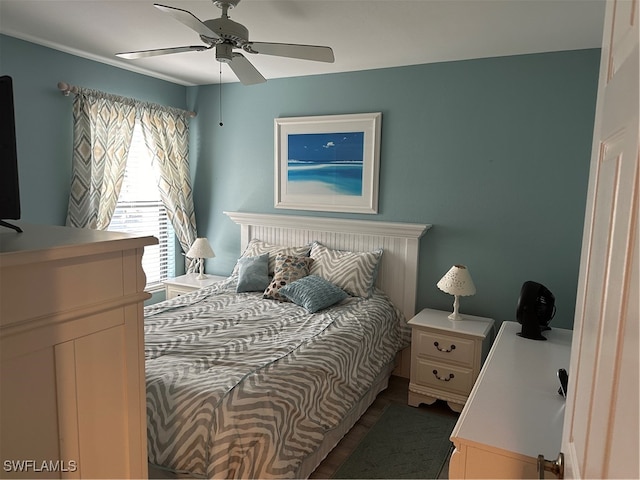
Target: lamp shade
(457,281)
(201,249)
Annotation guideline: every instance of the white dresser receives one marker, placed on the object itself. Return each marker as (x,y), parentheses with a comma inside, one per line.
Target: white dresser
(72,353)
(446,356)
(514,412)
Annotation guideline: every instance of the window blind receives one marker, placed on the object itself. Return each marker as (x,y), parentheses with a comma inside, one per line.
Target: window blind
(140,211)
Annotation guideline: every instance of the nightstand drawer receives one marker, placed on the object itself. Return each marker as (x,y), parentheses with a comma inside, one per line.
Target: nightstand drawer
(174,287)
(444,347)
(443,377)
(175,291)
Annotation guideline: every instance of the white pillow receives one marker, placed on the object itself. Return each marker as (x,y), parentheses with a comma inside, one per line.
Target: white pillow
(354,272)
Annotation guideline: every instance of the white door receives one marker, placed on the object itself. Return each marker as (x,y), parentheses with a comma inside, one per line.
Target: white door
(600,437)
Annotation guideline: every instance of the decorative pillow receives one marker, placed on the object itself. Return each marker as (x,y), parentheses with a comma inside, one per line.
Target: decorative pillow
(257,247)
(313,293)
(288,269)
(354,272)
(253,273)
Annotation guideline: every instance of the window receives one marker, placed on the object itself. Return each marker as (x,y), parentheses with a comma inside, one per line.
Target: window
(140,211)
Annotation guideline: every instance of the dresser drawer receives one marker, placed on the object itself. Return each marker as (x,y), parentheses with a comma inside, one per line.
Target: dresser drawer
(443,347)
(442,376)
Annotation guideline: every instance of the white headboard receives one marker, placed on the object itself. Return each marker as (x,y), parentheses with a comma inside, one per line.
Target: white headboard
(398,273)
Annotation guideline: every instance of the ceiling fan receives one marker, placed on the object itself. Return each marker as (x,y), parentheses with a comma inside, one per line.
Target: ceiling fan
(225,35)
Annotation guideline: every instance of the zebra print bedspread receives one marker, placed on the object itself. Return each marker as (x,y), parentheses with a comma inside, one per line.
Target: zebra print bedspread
(242,387)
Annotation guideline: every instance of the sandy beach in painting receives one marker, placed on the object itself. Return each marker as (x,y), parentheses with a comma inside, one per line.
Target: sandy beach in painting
(310,187)
(319,178)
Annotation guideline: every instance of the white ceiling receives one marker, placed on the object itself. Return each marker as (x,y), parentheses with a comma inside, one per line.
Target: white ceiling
(364,34)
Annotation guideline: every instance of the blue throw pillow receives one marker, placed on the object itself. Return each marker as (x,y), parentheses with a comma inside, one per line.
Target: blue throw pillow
(253,273)
(313,293)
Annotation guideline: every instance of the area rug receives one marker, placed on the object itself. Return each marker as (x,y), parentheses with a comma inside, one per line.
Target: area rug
(406,442)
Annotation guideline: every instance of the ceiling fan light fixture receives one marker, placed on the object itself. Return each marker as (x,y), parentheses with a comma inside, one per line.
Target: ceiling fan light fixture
(224,52)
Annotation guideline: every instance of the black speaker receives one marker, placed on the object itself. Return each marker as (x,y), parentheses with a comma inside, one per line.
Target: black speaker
(536,308)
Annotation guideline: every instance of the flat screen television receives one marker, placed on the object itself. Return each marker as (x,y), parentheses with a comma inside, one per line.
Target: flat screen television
(9,188)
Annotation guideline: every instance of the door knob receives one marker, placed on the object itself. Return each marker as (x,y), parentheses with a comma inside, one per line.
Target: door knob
(554,466)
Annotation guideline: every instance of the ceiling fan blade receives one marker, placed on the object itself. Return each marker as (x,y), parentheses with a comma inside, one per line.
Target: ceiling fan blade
(188,19)
(304,52)
(161,51)
(245,71)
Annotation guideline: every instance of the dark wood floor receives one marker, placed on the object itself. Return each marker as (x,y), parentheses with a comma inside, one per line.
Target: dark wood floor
(397,392)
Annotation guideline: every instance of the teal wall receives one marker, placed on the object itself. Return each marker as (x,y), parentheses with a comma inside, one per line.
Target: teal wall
(493,152)
(44,117)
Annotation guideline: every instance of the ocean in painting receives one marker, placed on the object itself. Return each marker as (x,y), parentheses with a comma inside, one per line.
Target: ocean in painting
(331,178)
(325,163)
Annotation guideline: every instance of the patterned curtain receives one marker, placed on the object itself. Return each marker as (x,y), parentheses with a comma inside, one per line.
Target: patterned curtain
(103,129)
(166,134)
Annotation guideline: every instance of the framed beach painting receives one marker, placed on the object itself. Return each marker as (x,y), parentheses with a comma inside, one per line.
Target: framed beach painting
(328,163)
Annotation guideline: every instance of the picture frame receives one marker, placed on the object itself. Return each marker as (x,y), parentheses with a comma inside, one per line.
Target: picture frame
(328,163)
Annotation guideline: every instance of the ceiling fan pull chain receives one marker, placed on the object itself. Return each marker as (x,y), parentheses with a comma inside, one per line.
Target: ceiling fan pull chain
(220,100)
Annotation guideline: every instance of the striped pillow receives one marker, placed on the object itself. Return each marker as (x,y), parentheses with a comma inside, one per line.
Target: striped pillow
(354,272)
(257,247)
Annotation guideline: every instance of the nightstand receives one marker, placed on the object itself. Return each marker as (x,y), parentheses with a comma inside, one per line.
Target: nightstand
(446,356)
(177,286)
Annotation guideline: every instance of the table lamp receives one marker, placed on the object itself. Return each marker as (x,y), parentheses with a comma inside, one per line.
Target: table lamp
(457,281)
(199,251)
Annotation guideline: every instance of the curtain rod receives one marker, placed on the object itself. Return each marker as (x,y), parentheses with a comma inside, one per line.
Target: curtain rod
(66,89)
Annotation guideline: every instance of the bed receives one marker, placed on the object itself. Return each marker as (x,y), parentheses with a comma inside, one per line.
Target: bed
(242,386)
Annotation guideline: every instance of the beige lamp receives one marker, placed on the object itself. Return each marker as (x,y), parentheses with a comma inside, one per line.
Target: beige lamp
(199,251)
(457,281)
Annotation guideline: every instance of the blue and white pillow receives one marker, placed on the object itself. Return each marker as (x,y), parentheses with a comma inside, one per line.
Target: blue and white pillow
(288,269)
(313,293)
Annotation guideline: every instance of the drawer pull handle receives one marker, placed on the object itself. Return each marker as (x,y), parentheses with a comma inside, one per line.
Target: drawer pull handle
(443,379)
(445,350)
